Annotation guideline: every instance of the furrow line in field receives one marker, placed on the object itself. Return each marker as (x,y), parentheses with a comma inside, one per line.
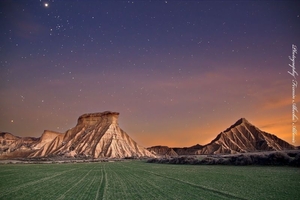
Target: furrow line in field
(13,190)
(53,186)
(134,186)
(196,186)
(121,186)
(118,188)
(160,194)
(142,182)
(99,187)
(104,183)
(102,186)
(6,175)
(63,195)
(150,188)
(11,182)
(7,170)
(214,191)
(81,190)
(88,188)
(64,183)
(36,191)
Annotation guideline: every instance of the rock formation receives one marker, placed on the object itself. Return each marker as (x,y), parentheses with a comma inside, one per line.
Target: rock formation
(162,151)
(96,135)
(47,137)
(239,138)
(14,146)
(244,137)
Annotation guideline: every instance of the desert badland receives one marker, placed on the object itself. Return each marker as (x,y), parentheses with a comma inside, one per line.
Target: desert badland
(96,152)
(98,135)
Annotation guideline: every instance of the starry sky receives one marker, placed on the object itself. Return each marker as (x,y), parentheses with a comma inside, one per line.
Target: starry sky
(179,72)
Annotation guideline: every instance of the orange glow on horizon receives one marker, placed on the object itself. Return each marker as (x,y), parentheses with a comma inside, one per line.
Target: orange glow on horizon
(200,136)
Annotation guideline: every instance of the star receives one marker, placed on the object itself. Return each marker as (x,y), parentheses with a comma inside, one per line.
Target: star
(160,63)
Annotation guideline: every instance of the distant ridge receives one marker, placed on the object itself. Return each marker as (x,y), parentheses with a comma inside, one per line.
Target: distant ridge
(240,137)
(163,151)
(98,135)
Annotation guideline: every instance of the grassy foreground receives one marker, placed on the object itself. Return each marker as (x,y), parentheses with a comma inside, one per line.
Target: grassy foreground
(140,180)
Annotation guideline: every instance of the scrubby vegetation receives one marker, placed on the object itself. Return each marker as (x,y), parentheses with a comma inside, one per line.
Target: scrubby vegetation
(274,158)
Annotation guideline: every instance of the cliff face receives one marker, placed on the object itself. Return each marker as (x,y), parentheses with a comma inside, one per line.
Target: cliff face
(96,135)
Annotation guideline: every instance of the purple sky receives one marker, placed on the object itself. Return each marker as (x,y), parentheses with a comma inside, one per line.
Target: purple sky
(179,72)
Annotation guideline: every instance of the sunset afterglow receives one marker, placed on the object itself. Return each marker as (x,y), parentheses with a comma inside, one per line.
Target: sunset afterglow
(178,72)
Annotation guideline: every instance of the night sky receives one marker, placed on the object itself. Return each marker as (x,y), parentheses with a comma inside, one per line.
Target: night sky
(179,72)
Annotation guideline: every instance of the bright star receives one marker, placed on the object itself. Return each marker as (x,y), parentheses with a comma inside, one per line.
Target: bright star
(46,5)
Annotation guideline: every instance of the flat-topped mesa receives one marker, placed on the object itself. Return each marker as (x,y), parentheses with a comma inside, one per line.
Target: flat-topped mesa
(96,135)
(94,118)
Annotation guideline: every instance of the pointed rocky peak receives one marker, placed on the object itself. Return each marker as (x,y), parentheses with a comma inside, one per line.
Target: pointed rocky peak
(245,137)
(242,121)
(94,118)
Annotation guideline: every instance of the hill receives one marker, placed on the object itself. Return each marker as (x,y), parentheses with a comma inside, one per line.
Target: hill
(96,135)
(241,137)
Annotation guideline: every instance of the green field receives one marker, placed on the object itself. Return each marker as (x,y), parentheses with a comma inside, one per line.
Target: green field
(140,180)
